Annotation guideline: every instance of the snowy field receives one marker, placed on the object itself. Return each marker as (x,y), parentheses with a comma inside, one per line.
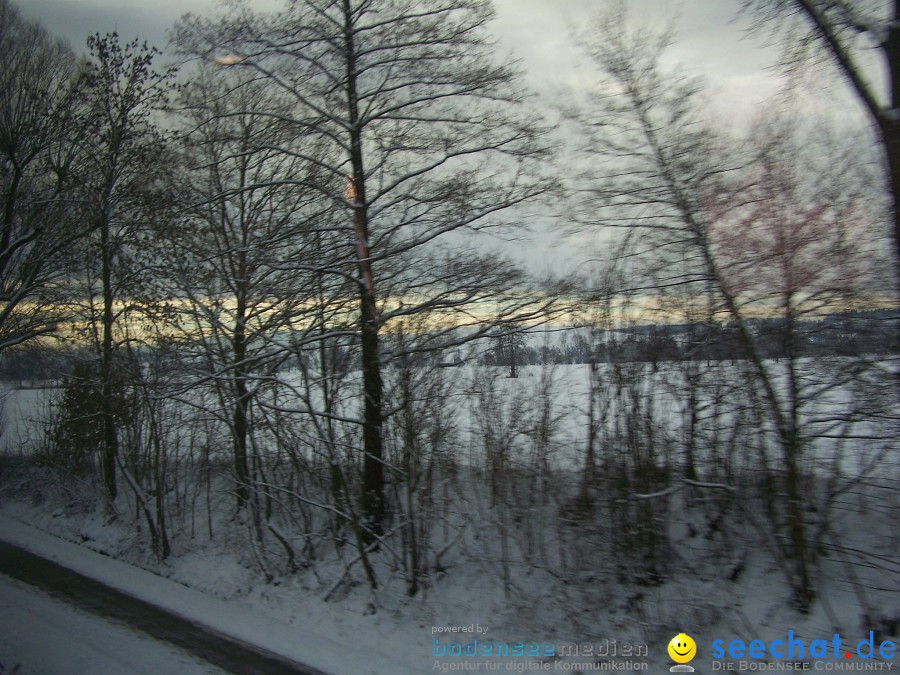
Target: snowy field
(523,572)
(564,391)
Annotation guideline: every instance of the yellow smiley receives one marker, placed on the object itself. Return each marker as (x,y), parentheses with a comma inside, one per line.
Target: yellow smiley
(682,648)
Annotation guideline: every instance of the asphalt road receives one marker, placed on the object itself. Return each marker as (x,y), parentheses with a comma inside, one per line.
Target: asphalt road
(97,598)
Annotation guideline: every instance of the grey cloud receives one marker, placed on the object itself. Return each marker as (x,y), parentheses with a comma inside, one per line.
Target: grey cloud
(75,20)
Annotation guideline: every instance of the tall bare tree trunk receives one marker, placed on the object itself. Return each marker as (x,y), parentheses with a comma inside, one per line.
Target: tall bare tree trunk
(110,437)
(887,120)
(373,502)
(241,405)
(889,126)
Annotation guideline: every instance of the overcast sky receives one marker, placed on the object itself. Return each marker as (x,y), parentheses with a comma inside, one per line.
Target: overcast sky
(711,40)
(538,31)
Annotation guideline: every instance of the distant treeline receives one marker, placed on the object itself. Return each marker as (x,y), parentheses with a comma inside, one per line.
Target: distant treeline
(844,334)
(29,365)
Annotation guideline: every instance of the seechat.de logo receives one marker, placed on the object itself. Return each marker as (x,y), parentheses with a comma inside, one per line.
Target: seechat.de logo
(682,649)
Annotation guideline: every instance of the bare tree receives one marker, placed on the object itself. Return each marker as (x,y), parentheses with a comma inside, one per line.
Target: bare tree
(237,258)
(428,146)
(39,130)
(120,176)
(799,257)
(849,31)
(746,232)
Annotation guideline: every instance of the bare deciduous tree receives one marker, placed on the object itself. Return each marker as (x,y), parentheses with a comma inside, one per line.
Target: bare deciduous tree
(427,147)
(39,130)
(746,232)
(120,175)
(237,259)
(848,31)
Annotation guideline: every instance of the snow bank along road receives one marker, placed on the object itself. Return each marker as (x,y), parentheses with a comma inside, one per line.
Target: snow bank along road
(102,600)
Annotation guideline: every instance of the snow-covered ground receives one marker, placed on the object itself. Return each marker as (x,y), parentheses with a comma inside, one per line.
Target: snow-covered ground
(49,638)
(342,637)
(310,638)
(722,583)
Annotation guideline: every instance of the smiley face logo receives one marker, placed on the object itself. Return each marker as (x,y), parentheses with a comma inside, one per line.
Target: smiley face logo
(682,648)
